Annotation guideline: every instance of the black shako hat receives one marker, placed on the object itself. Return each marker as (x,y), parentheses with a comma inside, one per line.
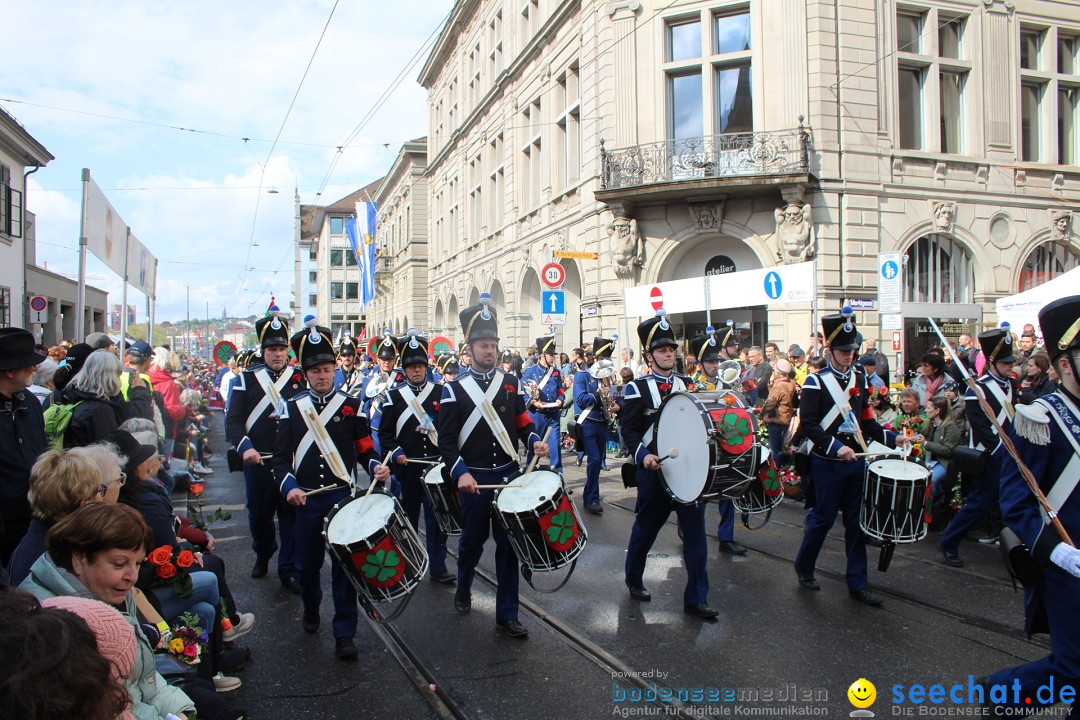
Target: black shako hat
(604,347)
(704,347)
(656,332)
(997,344)
(1060,323)
(545,344)
(272,329)
(447,363)
(478,321)
(387,348)
(347,346)
(414,348)
(313,345)
(840,331)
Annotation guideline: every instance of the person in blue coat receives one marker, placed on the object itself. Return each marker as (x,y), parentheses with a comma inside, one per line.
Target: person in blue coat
(545,409)
(1047,439)
(589,394)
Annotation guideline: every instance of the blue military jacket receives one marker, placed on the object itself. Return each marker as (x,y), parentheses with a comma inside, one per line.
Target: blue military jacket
(816,404)
(587,395)
(399,427)
(251,418)
(550,392)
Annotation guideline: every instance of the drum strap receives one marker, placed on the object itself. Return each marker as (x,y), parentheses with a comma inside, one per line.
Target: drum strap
(313,436)
(271,394)
(1061,408)
(484,410)
(415,405)
(676,386)
(526,572)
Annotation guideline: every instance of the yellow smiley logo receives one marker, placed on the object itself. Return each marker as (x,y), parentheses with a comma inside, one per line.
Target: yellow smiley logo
(862,693)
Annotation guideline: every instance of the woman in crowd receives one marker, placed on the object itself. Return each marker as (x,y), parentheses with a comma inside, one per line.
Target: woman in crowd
(942,440)
(954,394)
(42,382)
(931,379)
(61,482)
(96,552)
(1036,381)
(95,392)
(54,665)
(164,384)
(778,409)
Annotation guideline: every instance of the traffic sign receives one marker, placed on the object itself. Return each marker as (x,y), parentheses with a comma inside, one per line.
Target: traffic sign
(39,312)
(223,351)
(553,275)
(575,255)
(656,298)
(774,286)
(553,307)
(890,282)
(896,341)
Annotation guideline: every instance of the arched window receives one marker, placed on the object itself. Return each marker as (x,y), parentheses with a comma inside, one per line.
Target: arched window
(1045,262)
(937,269)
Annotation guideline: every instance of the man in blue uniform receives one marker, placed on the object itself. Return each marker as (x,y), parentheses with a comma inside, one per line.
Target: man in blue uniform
(641,400)
(1047,439)
(707,351)
(386,353)
(447,366)
(1001,392)
(546,409)
(300,467)
(481,418)
(589,394)
(348,377)
(408,431)
(836,417)
(251,420)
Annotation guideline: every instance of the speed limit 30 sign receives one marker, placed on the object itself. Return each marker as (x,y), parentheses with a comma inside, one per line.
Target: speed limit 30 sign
(553,275)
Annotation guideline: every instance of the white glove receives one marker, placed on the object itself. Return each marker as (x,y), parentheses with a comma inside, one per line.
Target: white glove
(1067,558)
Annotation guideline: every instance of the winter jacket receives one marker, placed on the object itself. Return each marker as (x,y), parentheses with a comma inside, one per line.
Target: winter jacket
(778,407)
(30,548)
(170,395)
(22,439)
(92,419)
(151,697)
(942,440)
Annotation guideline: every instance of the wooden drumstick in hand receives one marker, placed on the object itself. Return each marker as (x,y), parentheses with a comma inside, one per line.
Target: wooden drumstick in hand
(671,454)
(384,463)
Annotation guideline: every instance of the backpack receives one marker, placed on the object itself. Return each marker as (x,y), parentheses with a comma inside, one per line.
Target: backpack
(57,419)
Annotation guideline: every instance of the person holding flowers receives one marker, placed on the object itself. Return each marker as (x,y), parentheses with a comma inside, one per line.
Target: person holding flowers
(943,439)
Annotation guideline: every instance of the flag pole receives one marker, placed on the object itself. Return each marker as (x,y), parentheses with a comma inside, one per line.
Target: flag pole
(124,296)
(80,293)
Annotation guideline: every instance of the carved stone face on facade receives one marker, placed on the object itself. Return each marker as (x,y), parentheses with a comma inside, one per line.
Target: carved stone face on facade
(707,216)
(627,246)
(793,232)
(1061,225)
(944,214)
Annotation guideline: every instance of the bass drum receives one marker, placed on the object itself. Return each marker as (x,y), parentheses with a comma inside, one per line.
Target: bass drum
(715,434)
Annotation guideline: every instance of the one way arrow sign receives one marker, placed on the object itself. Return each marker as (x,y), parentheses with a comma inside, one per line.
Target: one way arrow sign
(553,307)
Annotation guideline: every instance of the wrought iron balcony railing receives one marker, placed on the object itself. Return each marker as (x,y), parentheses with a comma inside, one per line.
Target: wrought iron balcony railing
(779,152)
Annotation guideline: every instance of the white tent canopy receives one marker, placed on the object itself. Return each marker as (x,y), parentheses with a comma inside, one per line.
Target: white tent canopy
(1024,307)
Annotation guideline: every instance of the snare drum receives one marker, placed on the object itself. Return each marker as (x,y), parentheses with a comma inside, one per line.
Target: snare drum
(443,500)
(896,496)
(765,494)
(376,545)
(716,435)
(541,521)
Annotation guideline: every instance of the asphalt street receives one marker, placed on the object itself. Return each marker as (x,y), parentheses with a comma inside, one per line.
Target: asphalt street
(775,650)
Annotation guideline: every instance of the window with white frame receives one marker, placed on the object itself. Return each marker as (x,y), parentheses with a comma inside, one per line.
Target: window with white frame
(496,183)
(937,269)
(495,42)
(476,199)
(933,71)
(474,75)
(530,20)
(1049,95)
(452,216)
(10,205)
(568,126)
(531,157)
(708,64)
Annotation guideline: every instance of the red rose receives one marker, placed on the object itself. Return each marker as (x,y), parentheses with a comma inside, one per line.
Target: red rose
(690,387)
(160,555)
(438,406)
(665,386)
(347,411)
(751,384)
(167,571)
(853,392)
(510,388)
(197,488)
(296,377)
(185,559)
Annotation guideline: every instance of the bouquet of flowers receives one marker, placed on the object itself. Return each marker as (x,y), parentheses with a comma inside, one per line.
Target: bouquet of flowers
(195,508)
(187,640)
(172,566)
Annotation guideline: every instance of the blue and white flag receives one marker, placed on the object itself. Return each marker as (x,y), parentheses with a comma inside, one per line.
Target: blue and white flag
(366,252)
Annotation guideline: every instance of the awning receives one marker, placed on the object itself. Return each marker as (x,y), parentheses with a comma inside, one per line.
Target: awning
(1024,307)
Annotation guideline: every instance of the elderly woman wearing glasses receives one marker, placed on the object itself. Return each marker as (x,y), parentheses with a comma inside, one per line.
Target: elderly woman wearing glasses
(61,482)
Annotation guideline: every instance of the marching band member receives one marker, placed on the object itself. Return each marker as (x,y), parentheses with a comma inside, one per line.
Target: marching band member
(448,368)
(1001,393)
(707,351)
(386,354)
(641,399)
(1047,439)
(546,410)
(408,426)
(301,465)
(348,377)
(251,422)
(835,415)
(589,394)
(490,404)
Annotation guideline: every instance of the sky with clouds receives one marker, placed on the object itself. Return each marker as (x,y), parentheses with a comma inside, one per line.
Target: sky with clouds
(227,70)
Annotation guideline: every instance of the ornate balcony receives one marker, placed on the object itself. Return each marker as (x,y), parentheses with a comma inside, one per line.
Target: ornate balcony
(735,163)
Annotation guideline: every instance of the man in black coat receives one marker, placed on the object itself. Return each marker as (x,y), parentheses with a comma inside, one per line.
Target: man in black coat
(22,434)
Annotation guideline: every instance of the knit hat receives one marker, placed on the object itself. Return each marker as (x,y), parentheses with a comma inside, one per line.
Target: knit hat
(115,637)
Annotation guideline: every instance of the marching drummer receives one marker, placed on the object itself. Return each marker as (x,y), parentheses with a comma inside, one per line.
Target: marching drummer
(590,396)
(641,400)
(408,426)
(707,351)
(546,408)
(386,354)
(348,377)
(835,415)
(251,422)
(481,418)
(447,365)
(322,436)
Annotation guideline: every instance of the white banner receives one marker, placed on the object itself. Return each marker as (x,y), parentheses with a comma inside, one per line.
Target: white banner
(768,286)
(142,268)
(103,227)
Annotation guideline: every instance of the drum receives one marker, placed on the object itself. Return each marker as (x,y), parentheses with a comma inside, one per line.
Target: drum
(764,494)
(443,500)
(716,436)
(896,498)
(541,521)
(376,545)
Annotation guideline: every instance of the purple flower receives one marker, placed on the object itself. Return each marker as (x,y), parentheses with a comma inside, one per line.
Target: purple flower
(203,637)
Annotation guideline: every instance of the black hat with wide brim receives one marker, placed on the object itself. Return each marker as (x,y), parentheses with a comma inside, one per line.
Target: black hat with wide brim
(17,349)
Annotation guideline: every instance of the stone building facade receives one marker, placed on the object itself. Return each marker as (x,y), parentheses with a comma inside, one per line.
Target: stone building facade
(675,139)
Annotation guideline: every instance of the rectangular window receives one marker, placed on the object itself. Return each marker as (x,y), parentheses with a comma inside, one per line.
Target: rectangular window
(336,257)
(952,112)
(312,300)
(5,306)
(350,257)
(313,276)
(687,116)
(909,28)
(352,291)
(1030,101)
(10,210)
(1067,54)
(1030,47)
(1068,117)
(337,226)
(950,35)
(910,108)
(569,127)
(735,105)
(337,290)
(732,33)
(684,41)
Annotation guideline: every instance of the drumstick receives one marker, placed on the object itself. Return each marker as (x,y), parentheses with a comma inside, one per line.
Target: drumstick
(423,462)
(373,483)
(528,469)
(874,454)
(671,454)
(325,488)
(536,457)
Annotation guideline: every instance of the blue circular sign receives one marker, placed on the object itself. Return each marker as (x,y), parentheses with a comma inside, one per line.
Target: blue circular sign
(773,285)
(889,270)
